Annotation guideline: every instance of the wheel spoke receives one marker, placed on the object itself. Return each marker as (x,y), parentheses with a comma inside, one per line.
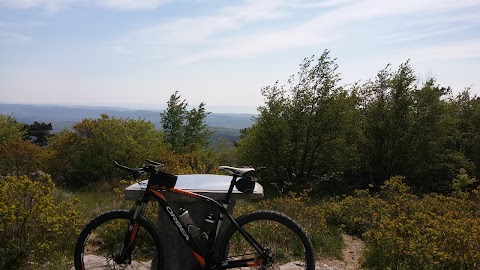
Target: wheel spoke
(102,244)
(283,240)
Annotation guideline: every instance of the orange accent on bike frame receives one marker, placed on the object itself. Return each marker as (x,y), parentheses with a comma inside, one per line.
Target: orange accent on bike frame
(257,263)
(159,194)
(134,233)
(183,192)
(199,258)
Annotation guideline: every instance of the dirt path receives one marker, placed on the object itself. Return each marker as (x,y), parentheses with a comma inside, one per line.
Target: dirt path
(352,253)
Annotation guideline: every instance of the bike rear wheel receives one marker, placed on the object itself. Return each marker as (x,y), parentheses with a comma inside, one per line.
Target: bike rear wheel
(286,242)
(101,243)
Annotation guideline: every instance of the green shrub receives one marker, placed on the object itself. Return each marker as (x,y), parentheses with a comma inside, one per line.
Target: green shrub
(326,240)
(355,214)
(435,232)
(33,223)
(403,231)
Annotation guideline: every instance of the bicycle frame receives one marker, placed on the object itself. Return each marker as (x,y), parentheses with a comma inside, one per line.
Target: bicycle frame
(157,192)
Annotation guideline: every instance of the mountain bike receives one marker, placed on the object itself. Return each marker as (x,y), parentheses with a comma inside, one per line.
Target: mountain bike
(127,239)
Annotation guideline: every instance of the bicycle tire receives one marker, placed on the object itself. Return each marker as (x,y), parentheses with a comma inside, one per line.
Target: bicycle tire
(271,230)
(104,235)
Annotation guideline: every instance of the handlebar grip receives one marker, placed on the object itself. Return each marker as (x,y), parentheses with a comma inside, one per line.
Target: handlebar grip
(154,162)
(122,166)
(133,172)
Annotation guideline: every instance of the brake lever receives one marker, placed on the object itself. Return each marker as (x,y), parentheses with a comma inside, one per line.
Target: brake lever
(135,173)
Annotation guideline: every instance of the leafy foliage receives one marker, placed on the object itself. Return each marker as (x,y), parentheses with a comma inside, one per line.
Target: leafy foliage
(87,153)
(462,182)
(184,130)
(403,231)
(326,239)
(466,109)
(32,221)
(38,133)
(10,129)
(18,157)
(314,133)
(409,131)
(303,131)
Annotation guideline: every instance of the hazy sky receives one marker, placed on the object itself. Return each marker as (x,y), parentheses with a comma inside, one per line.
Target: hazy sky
(118,52)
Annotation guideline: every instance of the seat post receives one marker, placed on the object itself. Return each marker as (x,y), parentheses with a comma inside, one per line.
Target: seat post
(228,196)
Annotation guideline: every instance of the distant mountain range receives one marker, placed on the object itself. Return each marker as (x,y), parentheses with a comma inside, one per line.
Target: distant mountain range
(66,116)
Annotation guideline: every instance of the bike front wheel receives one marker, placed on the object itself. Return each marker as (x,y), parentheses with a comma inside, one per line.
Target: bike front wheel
(114,240)
(285,242)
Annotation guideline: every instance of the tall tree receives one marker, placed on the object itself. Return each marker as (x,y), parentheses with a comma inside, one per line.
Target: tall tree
(387,120)
(185,130)
(173,119)
(9,129)
(19,157)
(409,131)
(467,113)
(38,133)
(196,132)
(16,156)
(87,152)
(305,131)
(432,161)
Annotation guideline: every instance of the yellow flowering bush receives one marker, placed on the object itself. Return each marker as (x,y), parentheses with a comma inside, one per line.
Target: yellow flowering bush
(404,231)
(355,214)
(434,232)
(33,223)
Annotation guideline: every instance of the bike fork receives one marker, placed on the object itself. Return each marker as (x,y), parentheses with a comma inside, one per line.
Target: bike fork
(132,231)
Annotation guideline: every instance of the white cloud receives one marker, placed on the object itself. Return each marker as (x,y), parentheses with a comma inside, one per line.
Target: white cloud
(194,30)
(120,50)
(341,21)
(132,4)
(51,6)
(11,32)
(205,31)
(7,36)
(465,49)
(220,31)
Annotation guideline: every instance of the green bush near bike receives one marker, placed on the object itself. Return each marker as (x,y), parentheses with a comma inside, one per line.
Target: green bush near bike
(434,232)
(404,231)
(32,221)
(326,239)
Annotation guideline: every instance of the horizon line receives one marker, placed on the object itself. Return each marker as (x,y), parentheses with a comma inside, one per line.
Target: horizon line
(140,107)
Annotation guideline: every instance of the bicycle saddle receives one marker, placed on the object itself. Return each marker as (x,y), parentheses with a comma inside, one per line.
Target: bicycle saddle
(238,171)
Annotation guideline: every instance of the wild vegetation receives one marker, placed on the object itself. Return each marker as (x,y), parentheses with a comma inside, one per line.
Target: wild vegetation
(328,149)
(34,222)
(315,132)
(405,231)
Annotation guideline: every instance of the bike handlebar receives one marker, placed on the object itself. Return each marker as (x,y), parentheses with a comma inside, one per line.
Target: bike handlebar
(152,167)
(154,163)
